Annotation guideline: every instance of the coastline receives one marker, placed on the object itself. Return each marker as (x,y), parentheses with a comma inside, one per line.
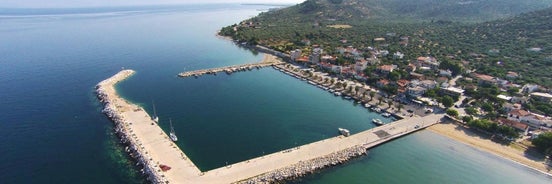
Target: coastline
(470,138)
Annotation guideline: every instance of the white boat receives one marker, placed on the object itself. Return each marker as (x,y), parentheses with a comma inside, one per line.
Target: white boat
(172,135)
(344,132)
(367,105)
(337,94)
(378,122)
(385,114)
(155,117)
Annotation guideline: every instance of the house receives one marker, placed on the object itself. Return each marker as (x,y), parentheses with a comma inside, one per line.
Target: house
(532,119)
(452,91)
(514,124)
(398,55)
(402,84)
(361,65)
(529,88)
(504,97)
(382,83)
(445,73)
(428,84)
(415,91)
(483,79)
(411,67)
(429,62)
(415,75)
(336,68)
(512,75)
(541,96)
(386,69)
(510,107)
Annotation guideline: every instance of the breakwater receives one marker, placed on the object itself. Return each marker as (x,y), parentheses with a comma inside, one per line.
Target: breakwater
(307,167)
(122,128)
(145,141)
(231,69)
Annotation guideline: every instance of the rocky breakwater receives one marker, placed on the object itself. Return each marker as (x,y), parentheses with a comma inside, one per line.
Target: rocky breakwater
(113,108)
(307,167)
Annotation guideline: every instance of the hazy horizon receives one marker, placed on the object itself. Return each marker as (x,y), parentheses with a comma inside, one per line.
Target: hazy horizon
(110,3)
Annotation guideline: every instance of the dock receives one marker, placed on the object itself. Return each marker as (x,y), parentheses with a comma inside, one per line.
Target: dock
(152,148)
(228,69)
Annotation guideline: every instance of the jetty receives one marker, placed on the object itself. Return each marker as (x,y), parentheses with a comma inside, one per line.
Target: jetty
(231,69)
(164,162)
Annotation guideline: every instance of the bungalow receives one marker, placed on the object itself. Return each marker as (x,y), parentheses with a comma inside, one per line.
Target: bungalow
(514,124)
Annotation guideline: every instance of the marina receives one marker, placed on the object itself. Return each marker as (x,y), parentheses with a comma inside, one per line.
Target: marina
(165,163)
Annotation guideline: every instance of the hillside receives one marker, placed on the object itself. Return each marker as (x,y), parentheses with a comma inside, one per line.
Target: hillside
(404,10)
(519,43)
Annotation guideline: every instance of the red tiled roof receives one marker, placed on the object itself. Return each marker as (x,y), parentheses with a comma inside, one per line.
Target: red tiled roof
(386,67)
(513,124)
(519,112)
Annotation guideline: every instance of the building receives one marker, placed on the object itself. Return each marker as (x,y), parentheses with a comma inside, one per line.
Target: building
(529,88)
(541,96)
(514,124)
(382,83)
(398,55)
(315,56)
(386,69)
(445,73)
(428,84)
(415,91)
(295,54)
(532,119)
(483,79)
(361,65)
(512,75)
(452,91)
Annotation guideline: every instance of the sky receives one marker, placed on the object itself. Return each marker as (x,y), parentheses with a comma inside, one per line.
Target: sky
(95,3)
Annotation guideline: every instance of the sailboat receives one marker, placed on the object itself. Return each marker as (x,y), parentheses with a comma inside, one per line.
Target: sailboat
(172,135)
(155,117)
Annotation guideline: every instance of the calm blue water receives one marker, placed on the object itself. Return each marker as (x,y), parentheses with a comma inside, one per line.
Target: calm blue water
(53,131)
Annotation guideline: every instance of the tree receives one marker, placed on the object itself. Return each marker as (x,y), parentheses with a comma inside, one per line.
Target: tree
(380,100)
(452,112)
(447,101)
(543,143)
(372,94)
(471,111)
(390,103)
(487,107)
(466,119)
(400,106)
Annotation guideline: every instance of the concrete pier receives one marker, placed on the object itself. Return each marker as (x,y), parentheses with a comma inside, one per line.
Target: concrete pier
(151,146)
(228,69)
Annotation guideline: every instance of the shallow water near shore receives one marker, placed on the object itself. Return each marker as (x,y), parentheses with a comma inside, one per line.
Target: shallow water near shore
(53,130)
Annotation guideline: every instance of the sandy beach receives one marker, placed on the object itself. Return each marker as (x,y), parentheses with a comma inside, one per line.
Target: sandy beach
(466,136)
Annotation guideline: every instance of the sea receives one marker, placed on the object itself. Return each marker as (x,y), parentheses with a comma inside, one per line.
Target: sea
(53,131)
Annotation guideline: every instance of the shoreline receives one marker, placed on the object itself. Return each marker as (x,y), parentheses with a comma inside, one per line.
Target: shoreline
(468,137)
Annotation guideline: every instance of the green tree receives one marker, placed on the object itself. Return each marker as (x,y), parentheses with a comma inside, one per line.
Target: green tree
(447,101)
(487,107)
(389,103)
(471,111)
(543,143)
(400,106)
(372,94)
(466,119)
(452,112)
(380,100)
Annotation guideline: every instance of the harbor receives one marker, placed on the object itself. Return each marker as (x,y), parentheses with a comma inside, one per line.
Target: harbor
(164,162)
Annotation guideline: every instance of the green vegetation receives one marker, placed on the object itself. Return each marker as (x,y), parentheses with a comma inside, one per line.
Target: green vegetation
(493,128)
(452,112)
(451,31)
(447,101)
(543,143)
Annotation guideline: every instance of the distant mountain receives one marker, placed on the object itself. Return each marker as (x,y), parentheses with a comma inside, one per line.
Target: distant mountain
(409,10)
